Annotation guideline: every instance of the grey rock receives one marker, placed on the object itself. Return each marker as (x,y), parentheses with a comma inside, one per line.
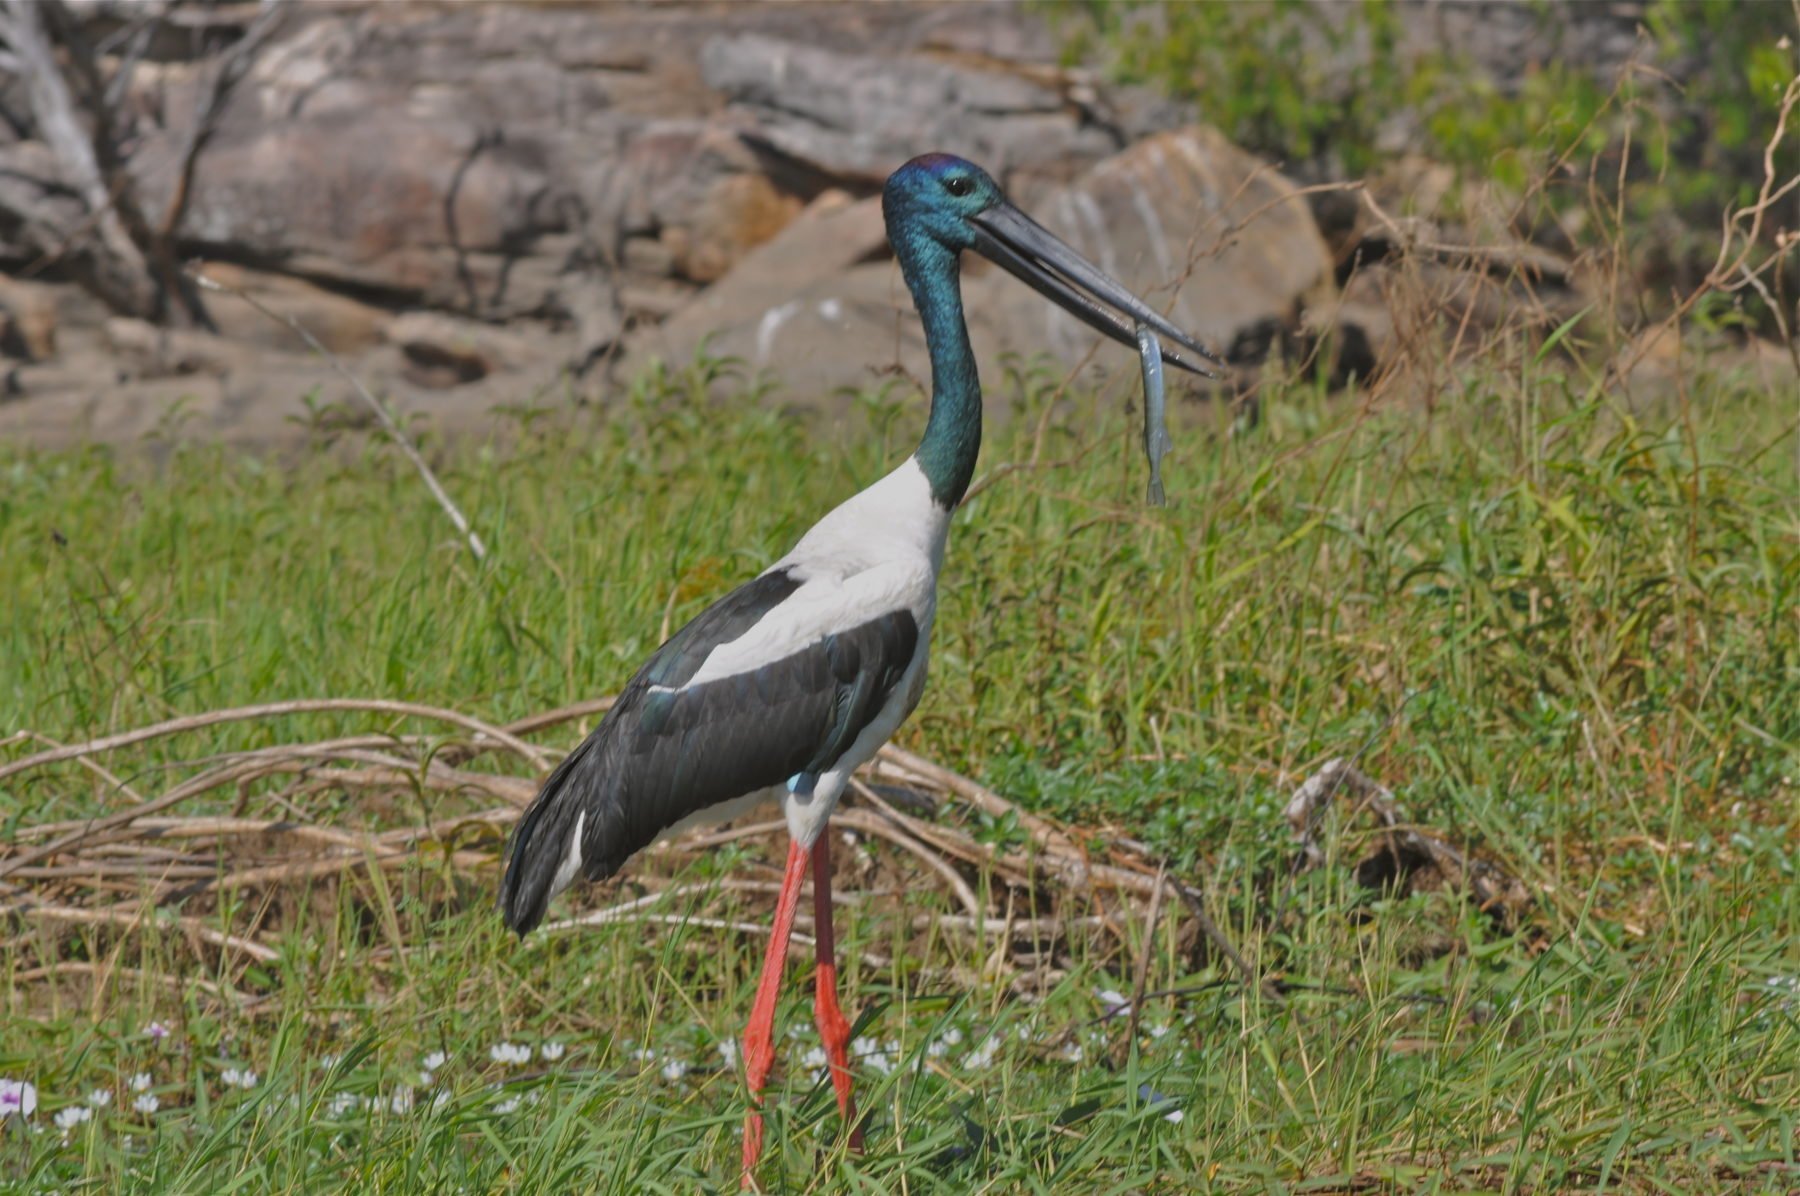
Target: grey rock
(1207,233)
(854,117)
(29,315)
(1204,230)
(833,234)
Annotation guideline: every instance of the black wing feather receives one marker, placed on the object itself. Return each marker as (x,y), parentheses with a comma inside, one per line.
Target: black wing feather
(668,750)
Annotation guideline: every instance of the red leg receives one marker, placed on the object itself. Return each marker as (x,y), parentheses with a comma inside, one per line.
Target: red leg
(834,1029)
(759,1036)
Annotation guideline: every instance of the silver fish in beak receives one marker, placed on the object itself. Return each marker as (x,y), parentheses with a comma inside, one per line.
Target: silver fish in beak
(1048,265)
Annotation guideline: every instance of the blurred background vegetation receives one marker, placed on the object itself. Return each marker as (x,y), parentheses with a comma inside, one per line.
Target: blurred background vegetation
(1668,141)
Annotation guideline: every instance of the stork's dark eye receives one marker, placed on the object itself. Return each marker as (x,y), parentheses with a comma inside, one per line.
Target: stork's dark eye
(959,185)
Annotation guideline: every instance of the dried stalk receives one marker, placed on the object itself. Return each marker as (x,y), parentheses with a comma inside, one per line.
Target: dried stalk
(1494,891)
(103,973)
(534,755)
(872,825)
(179,855)
(1143,964)
(134,916)
(388,423)
(99,826)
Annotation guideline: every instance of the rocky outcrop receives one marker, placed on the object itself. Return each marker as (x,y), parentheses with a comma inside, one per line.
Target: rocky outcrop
(1214,236)
(852,117)
(1205,231)
(472,202)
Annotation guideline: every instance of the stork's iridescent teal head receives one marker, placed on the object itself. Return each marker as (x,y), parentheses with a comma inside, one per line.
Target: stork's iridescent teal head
(938,205)
(958,205)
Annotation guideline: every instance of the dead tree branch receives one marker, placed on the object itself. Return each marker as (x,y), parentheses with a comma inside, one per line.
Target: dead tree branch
(120,273)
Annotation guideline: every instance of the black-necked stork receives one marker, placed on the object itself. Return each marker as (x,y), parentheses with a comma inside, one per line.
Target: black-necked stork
(784,686)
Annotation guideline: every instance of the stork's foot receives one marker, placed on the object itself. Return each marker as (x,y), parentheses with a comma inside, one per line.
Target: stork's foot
(834,1027)
(834,1035)
(759,1036)
(753,1141)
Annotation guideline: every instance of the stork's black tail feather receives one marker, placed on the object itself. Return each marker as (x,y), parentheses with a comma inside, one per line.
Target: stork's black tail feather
(540,844)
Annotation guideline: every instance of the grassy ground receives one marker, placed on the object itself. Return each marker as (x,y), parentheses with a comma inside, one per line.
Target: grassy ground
(1560,627)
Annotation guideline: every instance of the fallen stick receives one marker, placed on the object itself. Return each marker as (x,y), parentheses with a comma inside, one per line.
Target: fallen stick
(105,972)
(99,826)
(873,825)
(981,797)
(1034,927)
(136,915)
(1196,905)
(1494,891)
(533,723)
(534,755)
(388,422)
(1140,981)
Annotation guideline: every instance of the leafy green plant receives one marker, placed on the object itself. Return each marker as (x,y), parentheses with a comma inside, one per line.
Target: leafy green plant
(1332,90)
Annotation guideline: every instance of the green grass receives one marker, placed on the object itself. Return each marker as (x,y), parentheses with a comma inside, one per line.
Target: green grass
(1563,629)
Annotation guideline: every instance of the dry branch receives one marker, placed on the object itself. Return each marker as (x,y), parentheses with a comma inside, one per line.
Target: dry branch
(388,423)
(87,871)
(121,274)
(137,915)
(212,718)
(1404,848)
(102,973)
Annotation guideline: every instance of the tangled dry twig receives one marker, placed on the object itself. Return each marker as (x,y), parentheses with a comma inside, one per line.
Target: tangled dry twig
(1401,849)
(257,823)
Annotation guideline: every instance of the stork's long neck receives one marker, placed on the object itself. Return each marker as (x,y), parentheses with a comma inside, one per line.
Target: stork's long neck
(953,431)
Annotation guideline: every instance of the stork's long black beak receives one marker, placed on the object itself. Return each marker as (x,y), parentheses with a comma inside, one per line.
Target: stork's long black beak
(1048,265)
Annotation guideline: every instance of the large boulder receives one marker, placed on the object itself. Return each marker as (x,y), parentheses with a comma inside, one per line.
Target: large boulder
(854,117)
(1202,229)
(1207,233)
(743,312)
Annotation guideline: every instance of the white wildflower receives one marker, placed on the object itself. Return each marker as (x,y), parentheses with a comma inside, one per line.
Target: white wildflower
(644,1055)
(342,1103)
(1114,1001)
(71,1117)
(100,1098)
(1158,1029)
(728,1051)
(506,1052)
(146,1103)
(434,1061)
(982,1055)
(814,1063)
(509,1105)
(401,1102)
(233,1077)
(140,1082)
(673,1070)
(17,1096)
(952,1036)
(875,1055)
(1174,1118)
(552,1051)
(1073,1052)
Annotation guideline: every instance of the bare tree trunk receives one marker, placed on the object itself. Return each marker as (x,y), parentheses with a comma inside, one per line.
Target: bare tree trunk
(121,275)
